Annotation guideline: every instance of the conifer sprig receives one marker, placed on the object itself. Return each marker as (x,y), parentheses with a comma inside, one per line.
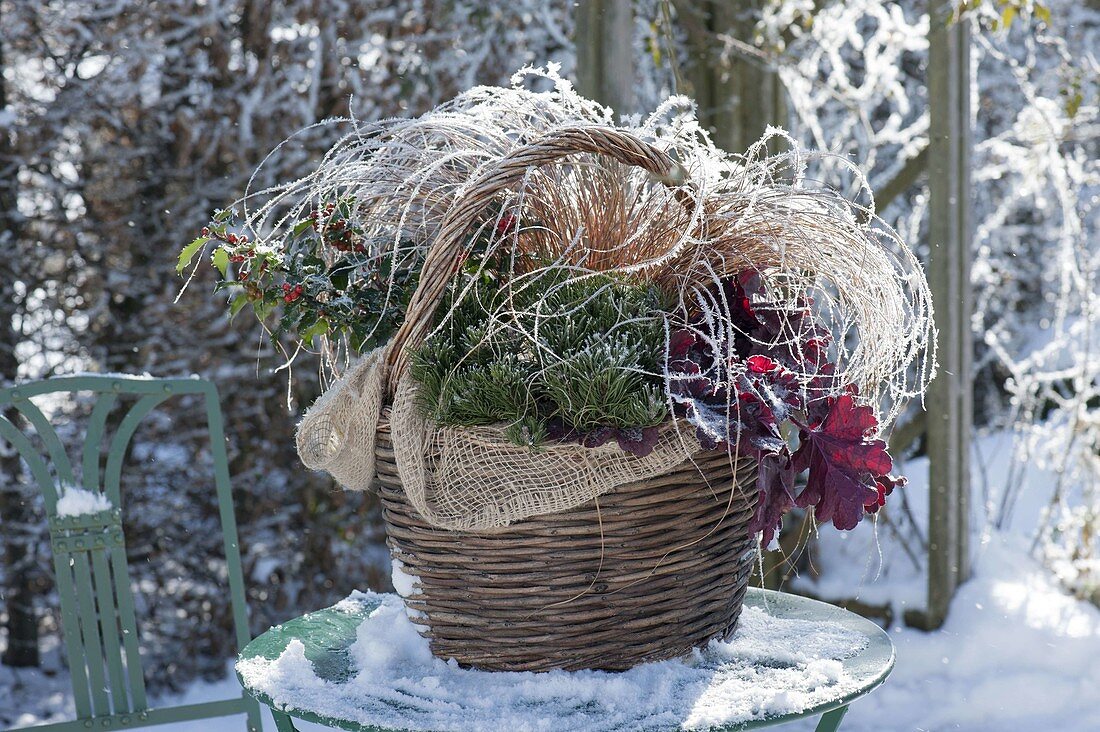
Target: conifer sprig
(559,356)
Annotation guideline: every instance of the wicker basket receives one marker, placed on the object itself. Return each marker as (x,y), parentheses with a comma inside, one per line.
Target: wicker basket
(646,572)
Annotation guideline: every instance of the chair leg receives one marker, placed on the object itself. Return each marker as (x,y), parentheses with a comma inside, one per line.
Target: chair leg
(283,722)
(830,721)
(253,721)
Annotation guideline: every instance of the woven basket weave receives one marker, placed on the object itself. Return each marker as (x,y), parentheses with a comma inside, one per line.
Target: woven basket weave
(645,572)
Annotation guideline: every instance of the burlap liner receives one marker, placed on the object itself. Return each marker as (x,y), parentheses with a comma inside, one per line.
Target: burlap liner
(337,433)
(468,478)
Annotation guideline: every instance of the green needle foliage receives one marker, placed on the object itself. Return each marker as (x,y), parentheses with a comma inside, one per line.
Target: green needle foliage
(549,354)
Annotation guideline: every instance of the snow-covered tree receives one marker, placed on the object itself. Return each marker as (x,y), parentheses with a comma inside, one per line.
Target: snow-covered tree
(123,125)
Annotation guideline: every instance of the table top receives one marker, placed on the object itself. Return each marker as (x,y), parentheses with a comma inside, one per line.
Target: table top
(327,638)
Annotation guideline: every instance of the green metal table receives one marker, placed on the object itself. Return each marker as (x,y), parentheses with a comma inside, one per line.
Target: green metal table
(328,634)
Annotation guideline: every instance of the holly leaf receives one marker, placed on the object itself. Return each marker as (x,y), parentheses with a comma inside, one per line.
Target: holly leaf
(188,253)
(221,260)
(301,227)
(310,331)
(237,304)
(843,463)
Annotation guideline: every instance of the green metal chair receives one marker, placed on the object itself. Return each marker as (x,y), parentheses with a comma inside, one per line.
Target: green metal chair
(97,613)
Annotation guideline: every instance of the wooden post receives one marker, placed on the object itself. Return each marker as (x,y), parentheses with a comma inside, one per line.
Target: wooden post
(950,401)
(738,96)
(605,52)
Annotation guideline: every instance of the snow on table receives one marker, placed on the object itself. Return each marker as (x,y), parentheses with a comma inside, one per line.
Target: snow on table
(772,666)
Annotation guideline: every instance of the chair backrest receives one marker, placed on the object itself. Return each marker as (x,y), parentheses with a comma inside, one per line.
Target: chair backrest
(86,534)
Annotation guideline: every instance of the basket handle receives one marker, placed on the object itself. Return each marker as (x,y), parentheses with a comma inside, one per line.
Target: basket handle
(442,259)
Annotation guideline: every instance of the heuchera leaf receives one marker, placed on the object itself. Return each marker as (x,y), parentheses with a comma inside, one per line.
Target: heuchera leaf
(597,437)
(633,440)
(775,370)
(844,465)
(637,441)
(884,486)
(679,343)
(775,483)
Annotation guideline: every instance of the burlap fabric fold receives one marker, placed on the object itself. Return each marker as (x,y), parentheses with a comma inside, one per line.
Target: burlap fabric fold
(465,478)
(337,433)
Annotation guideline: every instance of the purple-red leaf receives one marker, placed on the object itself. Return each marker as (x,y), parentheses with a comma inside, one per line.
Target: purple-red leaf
(598,437)
(679,343)
(775,482)
(843,464)
(773,369)
(884,486)
(638,441)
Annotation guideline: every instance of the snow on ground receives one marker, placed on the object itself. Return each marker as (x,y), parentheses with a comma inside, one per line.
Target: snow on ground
(1017,652)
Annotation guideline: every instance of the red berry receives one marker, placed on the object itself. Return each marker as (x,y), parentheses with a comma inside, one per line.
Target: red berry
(293,292)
